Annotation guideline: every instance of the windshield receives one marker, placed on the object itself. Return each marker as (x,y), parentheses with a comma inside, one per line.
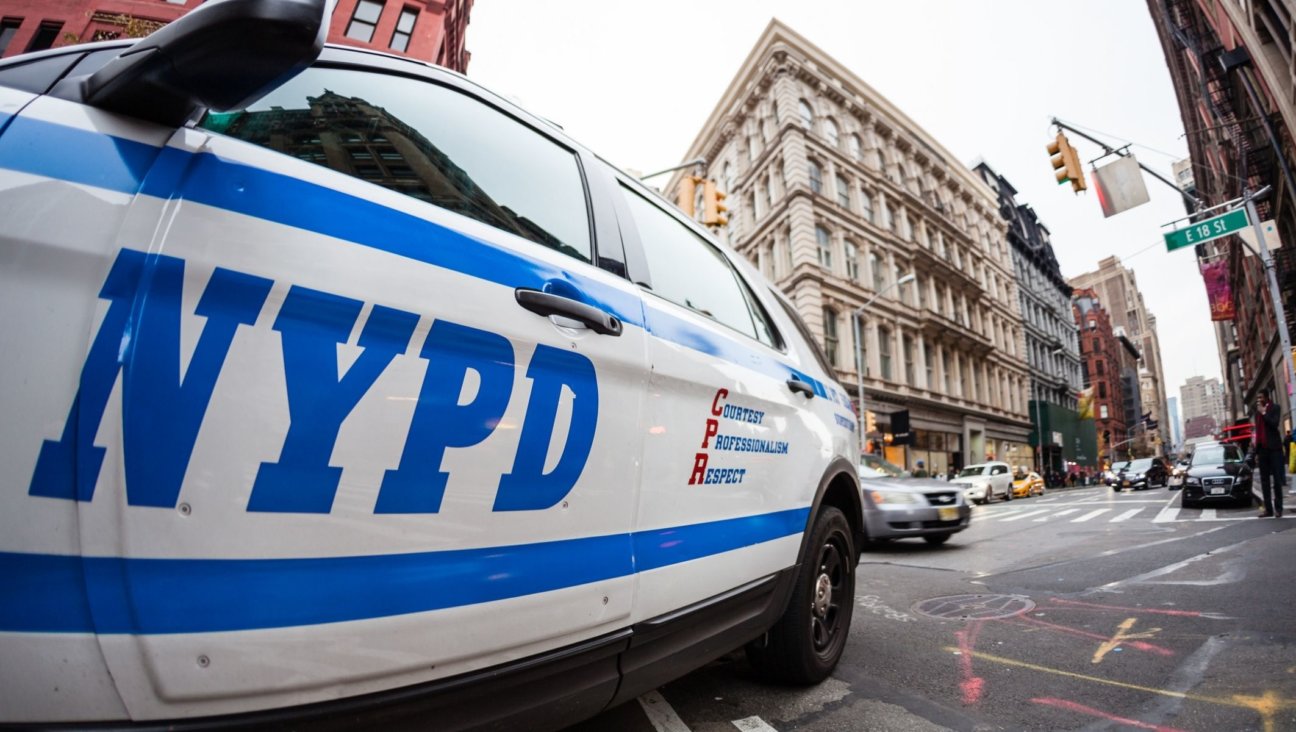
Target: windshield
(1216,455)
(1120,466)
(972,470)
(874,467)
(1139,466)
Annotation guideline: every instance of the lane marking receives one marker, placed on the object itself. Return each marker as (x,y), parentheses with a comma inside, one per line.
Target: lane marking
(1087,516)
(1170,568)
(1126,516)
(753,724)
(1026,515)
(661,714)
(1167,513)
(1122,634)
(1058,514)
(1207,514)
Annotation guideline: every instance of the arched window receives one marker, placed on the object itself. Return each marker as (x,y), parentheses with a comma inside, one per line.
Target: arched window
(824,240)
(875,270)
(830,335)
(856,150)
(807,116)
(852,261)
(843,193)
(816,177)
(830,133)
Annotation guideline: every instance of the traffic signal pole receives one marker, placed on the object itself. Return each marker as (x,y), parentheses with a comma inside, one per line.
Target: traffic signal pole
(1194,204)
(1266,259)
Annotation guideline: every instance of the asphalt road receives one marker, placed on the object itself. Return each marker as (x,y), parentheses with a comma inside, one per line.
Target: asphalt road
(1078,610)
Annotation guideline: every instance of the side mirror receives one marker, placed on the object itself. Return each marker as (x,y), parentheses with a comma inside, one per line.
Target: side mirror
(223,55)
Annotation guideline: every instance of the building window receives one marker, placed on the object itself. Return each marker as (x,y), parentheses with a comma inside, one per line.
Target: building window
(884,352)
(1102,390)
(909,360)
(930,370)
(404,29)
(1100,367)
(364,20)
(830,335)
(45,36)
(948,367)
(856,151)
(807,116)
(920,294)
(830,133)
(866,206)
(816,177)
(852,261)
(843,193)
(8,29)
(824,240)
(875,269)
(1102,411)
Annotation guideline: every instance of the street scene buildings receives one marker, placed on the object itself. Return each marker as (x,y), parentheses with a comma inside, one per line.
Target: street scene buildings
(870,225)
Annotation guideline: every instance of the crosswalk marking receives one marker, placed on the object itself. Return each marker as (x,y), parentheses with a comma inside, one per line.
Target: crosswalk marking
(1091,514)
(1059,513)
(1126,516)
(1027,514)
(1208,514)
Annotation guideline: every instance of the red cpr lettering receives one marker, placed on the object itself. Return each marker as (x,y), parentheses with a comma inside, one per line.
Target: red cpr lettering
(715,403)
(711,429)
(699,468)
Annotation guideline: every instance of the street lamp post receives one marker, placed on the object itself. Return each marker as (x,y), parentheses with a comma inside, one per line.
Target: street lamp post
(856,314)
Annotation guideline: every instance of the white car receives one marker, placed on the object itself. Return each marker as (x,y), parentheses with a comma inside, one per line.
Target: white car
(339,388)
(984,482)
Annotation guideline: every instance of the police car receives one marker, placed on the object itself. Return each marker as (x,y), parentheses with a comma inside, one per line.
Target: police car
(339,391)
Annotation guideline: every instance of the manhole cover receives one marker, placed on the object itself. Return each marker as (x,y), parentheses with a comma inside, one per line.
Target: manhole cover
(974,607)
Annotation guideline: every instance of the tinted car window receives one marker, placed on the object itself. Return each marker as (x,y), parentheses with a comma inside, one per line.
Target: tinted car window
(36,76)
(1216,455)
(689,271)
(428,142)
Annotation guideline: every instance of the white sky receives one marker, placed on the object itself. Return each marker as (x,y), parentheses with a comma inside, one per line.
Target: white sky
(636,81)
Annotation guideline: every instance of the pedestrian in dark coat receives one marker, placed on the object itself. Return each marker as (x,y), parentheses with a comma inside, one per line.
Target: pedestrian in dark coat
(1269,456)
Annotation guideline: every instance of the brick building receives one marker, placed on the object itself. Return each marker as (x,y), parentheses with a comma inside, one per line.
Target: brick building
(427,30)
(1101,357)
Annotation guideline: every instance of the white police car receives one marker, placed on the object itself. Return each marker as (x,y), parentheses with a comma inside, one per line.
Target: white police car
(340,391)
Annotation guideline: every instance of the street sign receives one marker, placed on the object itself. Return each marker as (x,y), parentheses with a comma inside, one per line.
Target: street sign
(1202,231)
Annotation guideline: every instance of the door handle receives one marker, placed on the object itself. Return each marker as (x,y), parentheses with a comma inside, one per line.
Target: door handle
(797,385)
(545,303)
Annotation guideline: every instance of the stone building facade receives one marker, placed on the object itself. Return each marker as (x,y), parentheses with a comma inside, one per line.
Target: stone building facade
(837,196)
(1052,346)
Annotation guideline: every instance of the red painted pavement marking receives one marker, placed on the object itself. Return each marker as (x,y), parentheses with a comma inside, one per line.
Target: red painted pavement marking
(1135,644)
(972,685)
(1082,709)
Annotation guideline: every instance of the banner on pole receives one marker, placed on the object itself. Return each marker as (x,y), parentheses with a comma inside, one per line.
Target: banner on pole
(1218,292)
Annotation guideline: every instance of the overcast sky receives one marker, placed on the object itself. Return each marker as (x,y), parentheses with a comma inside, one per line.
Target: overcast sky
(635,81)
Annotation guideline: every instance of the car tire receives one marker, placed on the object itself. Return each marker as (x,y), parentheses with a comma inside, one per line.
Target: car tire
(1189,504)
(1008,494)
(937,539)
(805,644)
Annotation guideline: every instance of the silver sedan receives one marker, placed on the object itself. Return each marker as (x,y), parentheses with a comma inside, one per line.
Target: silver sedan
(897,505)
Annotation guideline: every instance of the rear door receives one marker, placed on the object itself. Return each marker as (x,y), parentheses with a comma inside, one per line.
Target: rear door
(735,449)
(380,401)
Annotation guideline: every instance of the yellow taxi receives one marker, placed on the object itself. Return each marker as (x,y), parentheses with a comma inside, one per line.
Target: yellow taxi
(1026,483)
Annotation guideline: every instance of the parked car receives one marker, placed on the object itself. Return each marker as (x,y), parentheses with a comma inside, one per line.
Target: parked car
(342,391)
(898,505)
(982,482)
(1217,473)
(1027,483)
(1142,474)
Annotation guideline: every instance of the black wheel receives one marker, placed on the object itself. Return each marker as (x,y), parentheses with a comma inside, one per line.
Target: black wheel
(1189,504)
(1008,495)
(804,645)
(937,539)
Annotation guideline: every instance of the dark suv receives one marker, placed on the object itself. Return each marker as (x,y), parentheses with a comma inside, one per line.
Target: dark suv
(1217,473)
(1142,473)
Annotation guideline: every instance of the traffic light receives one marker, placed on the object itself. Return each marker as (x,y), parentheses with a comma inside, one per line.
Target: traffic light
(1066,163)
(687,194)
(870,422)
(713,208)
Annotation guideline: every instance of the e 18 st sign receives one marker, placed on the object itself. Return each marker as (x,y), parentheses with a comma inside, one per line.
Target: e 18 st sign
(1203,231)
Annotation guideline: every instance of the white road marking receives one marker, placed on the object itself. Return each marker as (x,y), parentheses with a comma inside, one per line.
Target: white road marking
(1207,514)
(1143,578)
(661,714)
(1125,516)
(1059,513)
(753,724)
(1089,515)
(1027,514)
(1167,513)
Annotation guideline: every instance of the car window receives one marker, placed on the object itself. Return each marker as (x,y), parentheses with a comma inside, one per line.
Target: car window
(38,75)
(972,470)
(873,467)
(811,342)
(1217,455)
(688,270)
(428,142)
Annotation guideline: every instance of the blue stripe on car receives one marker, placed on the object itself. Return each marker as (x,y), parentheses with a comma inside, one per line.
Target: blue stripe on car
(47,593)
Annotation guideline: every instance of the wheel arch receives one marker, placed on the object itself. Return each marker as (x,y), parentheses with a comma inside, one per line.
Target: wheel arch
(839,487)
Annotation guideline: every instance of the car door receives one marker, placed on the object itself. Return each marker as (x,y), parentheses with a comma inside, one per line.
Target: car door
(1002,479)
(738,424)
(380,401)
